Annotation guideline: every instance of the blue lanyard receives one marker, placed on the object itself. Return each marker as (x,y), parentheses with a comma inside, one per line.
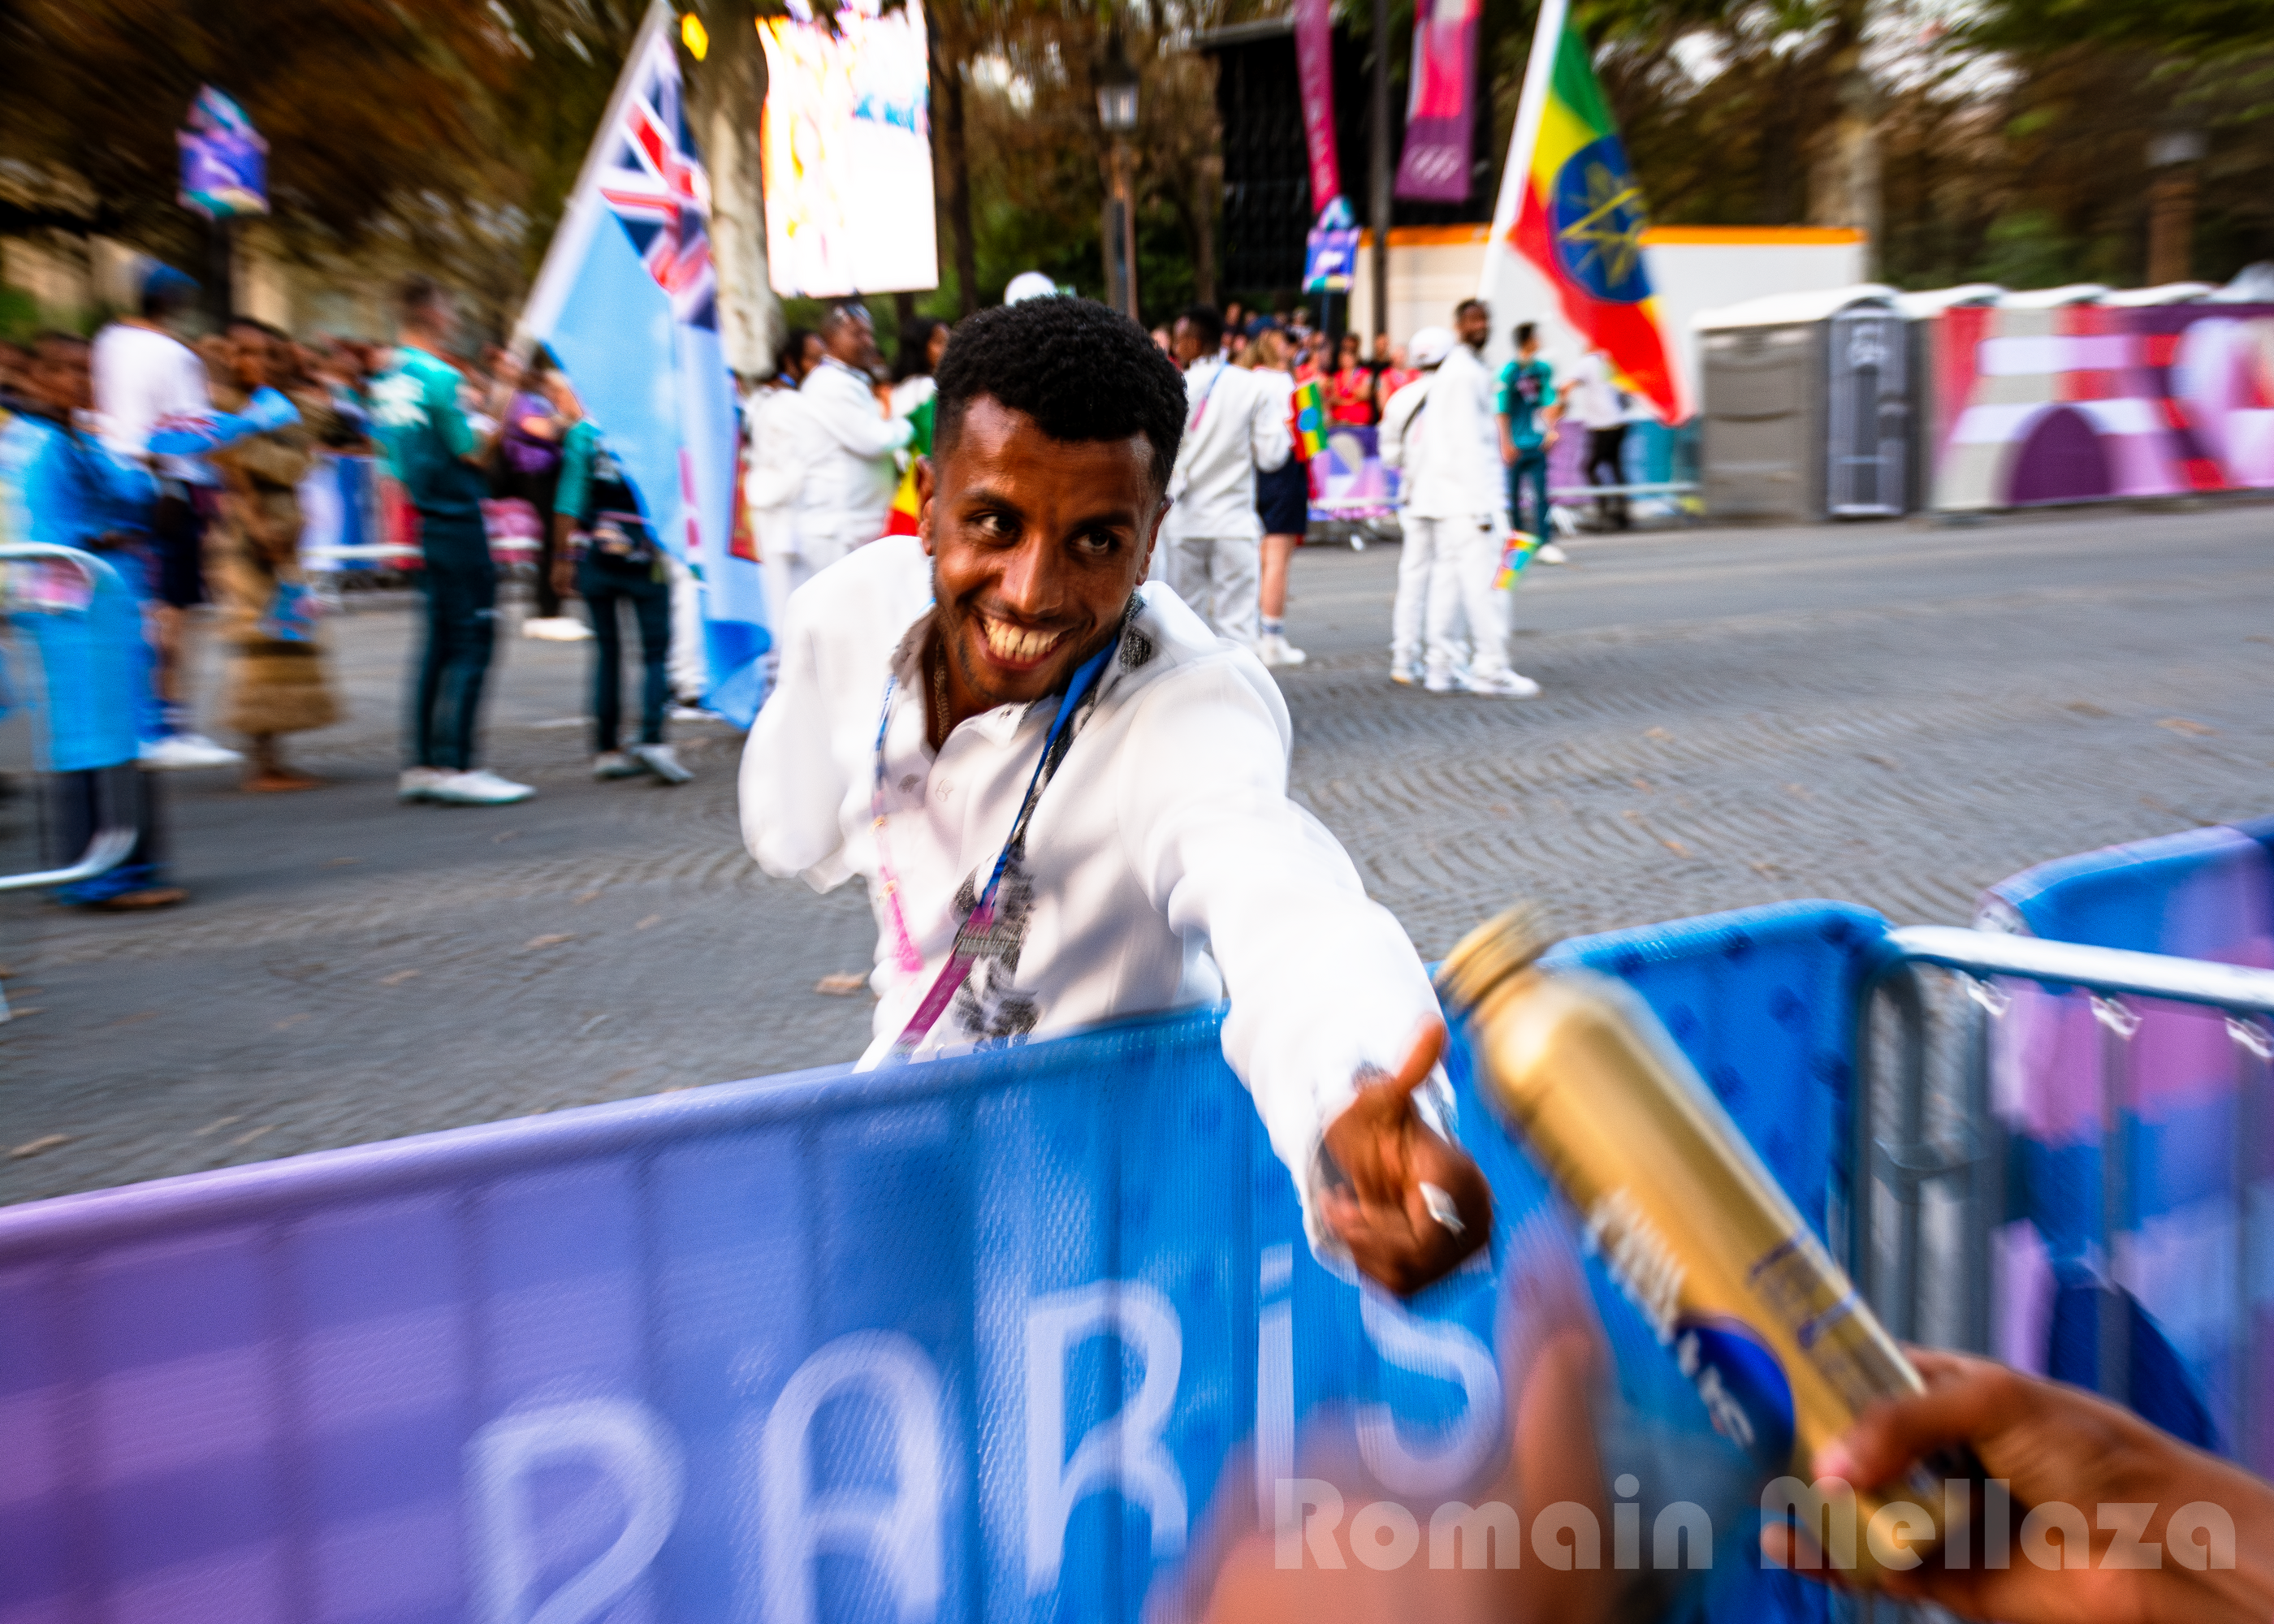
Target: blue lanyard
(979,924)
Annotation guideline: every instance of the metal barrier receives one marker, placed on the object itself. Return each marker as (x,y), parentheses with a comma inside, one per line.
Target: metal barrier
(999,1336)
(2080,1183)
(112,838)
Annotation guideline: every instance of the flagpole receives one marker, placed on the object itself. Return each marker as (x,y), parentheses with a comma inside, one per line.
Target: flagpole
(1531,106)
(584,207)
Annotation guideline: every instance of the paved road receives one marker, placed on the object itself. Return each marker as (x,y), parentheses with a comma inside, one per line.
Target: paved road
(1895,714)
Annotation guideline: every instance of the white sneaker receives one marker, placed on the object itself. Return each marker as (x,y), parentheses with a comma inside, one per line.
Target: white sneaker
(661,760)
(1502,685)
(1550,553)
(1274,650)
(418,783)
(555,628)
(479,788)
(681,710)
(1404,676)
(181,752)
(1438,682)
(615,765)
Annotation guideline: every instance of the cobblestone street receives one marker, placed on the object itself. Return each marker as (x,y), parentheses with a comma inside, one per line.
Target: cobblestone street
(1897,714)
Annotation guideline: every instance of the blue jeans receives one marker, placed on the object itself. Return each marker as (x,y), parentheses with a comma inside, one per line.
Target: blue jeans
(1530,470)
(604,584)
(446,697)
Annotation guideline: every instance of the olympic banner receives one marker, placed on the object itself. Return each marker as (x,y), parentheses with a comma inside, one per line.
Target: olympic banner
(1441,105)
(1314,72)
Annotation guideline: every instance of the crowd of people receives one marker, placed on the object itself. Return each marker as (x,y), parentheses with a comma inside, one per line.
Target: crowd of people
(193,467)
(189,468)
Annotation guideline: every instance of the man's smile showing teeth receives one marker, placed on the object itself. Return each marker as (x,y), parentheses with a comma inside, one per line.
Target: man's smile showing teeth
(1016,646)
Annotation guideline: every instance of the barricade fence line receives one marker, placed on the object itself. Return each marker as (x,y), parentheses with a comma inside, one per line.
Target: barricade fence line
(112,838)
(2079,1171)
(284,1390)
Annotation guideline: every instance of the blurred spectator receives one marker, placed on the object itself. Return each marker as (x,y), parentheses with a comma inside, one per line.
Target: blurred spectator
(1443,435)
(850,477)
(1235,331)
(440,460)
(59,483)
(277,682)
(1601,408)
(604,535)
(1528,413)
(913,387)
(1395,374)
(781,437)
(1235,425)
(145,376)
(1283,497)
(1350,395)
(529,471)
(1162,341)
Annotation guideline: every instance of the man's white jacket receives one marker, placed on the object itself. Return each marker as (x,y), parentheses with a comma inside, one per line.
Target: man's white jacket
(1441,434)
(851,475)
(1235,427)
(1164,865)
(782,434)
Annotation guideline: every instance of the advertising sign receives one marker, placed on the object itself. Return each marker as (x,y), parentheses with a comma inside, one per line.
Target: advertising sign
(224,160)
(846,144)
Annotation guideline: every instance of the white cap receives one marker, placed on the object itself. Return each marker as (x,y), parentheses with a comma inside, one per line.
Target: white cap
(1028,285)
(1429,346)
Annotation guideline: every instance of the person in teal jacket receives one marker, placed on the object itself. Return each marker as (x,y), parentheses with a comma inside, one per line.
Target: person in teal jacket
(441,460)
(60,484)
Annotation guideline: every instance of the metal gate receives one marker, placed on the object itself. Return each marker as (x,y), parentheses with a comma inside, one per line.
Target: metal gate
(1867,454)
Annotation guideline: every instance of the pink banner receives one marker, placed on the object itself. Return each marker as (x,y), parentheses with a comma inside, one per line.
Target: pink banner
(1314,71)
(1441,106)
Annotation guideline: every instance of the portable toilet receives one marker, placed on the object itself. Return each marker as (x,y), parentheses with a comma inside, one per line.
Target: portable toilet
(1925,314)
(1772,407)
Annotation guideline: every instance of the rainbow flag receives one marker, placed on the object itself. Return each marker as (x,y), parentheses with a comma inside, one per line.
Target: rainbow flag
(1310,419)
(1570,207)
(1521,546)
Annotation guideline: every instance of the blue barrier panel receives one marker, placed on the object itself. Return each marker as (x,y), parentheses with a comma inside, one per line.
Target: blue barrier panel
(2166,1227)
(2206,893)
(1008,1337)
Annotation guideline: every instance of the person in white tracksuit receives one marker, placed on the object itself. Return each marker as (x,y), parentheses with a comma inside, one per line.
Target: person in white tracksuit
(850,475)
(1234,427)
(780,447)
(1441,431)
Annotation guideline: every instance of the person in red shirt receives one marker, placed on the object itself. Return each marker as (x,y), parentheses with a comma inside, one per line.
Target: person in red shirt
(1349,398)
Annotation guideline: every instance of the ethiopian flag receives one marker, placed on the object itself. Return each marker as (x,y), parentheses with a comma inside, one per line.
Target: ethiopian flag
(906,510)
(1571,207)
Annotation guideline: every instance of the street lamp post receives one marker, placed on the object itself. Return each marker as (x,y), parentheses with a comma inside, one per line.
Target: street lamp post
(2172,156)
(1117,114)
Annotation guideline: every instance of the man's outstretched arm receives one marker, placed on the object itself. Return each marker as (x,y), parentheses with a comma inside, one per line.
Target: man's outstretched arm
(1333,1025)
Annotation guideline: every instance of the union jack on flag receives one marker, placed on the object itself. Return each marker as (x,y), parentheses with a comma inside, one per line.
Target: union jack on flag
(655,184)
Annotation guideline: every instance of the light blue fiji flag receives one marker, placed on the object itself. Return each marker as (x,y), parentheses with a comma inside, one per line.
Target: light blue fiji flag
(627,301)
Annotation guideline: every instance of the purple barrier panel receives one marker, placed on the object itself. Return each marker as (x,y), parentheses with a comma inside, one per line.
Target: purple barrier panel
(2195,1169)
(1004,1336)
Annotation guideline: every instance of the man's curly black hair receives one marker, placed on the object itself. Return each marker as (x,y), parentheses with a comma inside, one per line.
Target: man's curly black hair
(1080,370)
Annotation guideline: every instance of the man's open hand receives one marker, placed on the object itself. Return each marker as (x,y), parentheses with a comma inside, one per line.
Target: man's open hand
(1387,1155)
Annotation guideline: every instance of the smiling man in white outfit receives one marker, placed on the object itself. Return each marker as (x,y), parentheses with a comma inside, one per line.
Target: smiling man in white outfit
(1442,432)
(1234,428)
(1067,796)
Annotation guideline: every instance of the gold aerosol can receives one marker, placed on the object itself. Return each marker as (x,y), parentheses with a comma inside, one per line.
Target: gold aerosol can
(1685,1218)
